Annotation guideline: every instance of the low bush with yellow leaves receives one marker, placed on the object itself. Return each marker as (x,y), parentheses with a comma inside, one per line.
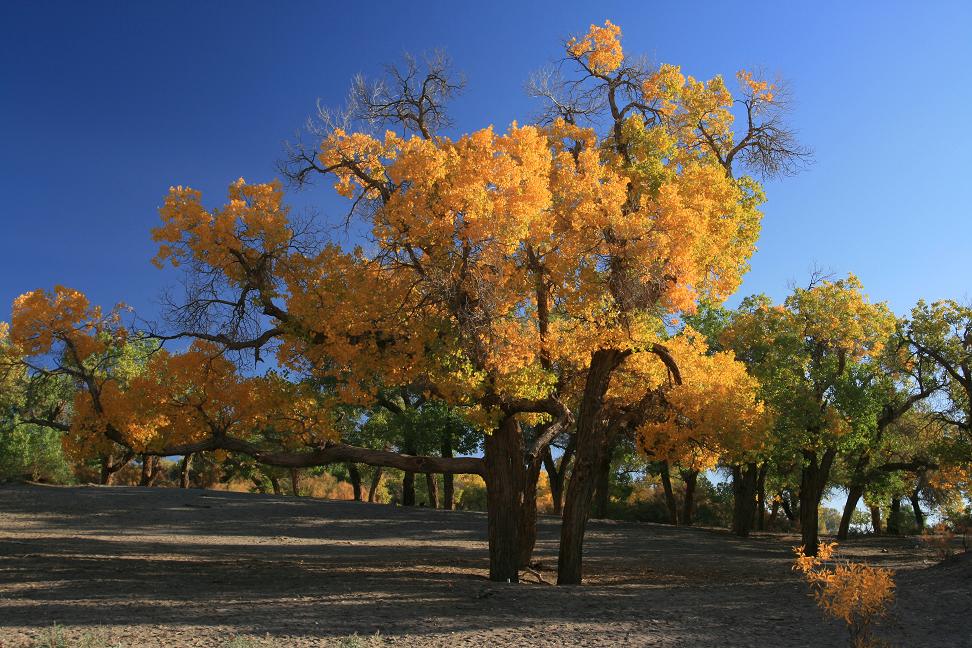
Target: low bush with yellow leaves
(856,593)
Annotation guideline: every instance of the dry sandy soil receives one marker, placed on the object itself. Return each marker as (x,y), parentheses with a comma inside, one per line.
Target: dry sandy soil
(150,567)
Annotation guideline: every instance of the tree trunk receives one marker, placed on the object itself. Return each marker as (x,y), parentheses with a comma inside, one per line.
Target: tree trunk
(761,497)
(355,476)
(894,517)
(448,479)
(375,483)
(556,475)
(433,489)
(505,477)
(408,489)
(773,513)
(184,471)
(109,466)
(150,470)
(592,446)
(919,515)
(813,481)
(787,508)
(744,480)
(528,517)
(275,484)
(688,504)
(666,480)
(854,494)
(295,482)
(602,489)
(876,519)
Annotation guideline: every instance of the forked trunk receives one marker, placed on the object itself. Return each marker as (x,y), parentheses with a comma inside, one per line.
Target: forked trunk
(592,447)
(528,516)
(813,481)
(670,503)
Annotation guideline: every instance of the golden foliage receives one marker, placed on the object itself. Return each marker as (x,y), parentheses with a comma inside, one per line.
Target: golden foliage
(856,593)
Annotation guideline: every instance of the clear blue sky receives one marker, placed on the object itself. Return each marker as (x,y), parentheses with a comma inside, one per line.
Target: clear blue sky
(103,106)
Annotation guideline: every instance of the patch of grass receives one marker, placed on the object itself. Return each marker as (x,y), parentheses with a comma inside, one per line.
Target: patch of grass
(55,638)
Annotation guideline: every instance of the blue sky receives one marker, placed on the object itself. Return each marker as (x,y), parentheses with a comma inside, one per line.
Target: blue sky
(103,106)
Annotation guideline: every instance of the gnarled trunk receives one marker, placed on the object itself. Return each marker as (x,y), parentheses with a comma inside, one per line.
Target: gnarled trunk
(592,446)
(505,482)
(919,515)
(110,465)
(744,478)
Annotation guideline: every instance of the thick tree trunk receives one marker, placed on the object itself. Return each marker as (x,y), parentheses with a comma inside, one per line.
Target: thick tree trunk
(592,446)
(688,504)
(919,515)
(666,480)
(150,470)
(375,483)
(448,479)
(505,482)
(744,480)
(433,489)
(787,509)
(602,489)
(761,497)
(408,489)
(109,466)
(854,494)
(813,481)
(876,519)
(355,476)
(295,482)
(894,517)
(184,468)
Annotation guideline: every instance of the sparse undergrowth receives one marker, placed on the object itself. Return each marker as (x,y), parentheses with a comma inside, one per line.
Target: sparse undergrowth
(57,637)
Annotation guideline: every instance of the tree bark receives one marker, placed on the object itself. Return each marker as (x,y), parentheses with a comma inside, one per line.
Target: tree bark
(150,470)
(813,481)
(556,475)
(854,494)
(761,497)
(688,504)
(275,484)
(666,480)
(448,479)
(184,471)
(505,482)
(295,482)
(876,519)
(528,516)
(602,488)
(110,466)
(919,515)
(408,489)
(433,489)
(744,478)
(592,445)
(355,476)
(894,517)
(375,483)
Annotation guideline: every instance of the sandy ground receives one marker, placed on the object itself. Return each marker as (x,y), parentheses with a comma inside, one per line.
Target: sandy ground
(159,567)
